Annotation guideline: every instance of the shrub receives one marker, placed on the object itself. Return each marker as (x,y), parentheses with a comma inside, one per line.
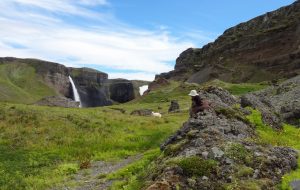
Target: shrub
(196,166)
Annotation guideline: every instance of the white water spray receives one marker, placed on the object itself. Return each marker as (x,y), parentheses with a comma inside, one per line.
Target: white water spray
(75,92)
(143,89)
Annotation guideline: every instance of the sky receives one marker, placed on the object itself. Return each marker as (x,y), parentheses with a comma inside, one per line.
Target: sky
(132,39)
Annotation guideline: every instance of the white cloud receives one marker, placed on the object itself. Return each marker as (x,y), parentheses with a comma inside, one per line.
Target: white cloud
(93,2)
(106,44)
(133,76)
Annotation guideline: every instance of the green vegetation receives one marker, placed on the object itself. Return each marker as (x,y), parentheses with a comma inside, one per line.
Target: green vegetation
(244,171)
(238,153)
(128,174)
(288,136)
(246,185)
(40,146)
(20,84)
(196,166)
(173,148)
(239,89)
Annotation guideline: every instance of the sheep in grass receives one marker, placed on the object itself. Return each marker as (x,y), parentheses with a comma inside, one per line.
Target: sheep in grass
(154,114)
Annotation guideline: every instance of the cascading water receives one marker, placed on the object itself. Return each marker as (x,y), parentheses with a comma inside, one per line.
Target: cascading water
(143,89)
(75,92)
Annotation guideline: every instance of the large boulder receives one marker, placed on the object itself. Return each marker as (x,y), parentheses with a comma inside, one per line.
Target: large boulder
(174,107)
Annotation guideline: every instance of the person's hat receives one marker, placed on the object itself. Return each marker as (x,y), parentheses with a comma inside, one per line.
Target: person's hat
(193,93)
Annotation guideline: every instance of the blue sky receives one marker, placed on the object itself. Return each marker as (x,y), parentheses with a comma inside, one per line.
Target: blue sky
(133,39)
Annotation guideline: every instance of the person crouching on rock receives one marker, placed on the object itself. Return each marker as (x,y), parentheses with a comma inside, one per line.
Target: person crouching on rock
(198,105)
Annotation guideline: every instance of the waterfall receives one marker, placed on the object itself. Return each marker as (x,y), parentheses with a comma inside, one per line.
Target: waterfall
(143,89)
(75,92)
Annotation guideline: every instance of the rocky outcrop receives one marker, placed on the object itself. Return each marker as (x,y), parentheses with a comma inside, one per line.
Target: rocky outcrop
(214,151)
(58,101)
(121,90)
(264,48)
(94,87)
(174,107)
(142,112)
(278,103)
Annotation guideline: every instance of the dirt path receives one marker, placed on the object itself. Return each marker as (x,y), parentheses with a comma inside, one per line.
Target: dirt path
(90,179)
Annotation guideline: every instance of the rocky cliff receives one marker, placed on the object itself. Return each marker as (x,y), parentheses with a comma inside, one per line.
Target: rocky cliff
(94,87)
(264,48)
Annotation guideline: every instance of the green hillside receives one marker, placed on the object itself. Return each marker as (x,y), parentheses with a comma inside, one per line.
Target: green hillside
(19,83)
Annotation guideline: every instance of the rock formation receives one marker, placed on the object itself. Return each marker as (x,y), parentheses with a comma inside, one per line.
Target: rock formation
(215,151)
(278,103)
(174,107)
(58,101)
(121,90)
(264,48)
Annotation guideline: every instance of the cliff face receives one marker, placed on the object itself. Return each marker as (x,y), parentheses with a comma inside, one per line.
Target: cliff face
(94,87)
(263,48)
(121,90)
(91,87)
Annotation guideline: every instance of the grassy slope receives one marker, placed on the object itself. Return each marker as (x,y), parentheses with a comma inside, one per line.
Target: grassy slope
(289,136)
(20,84)
(41,146)
(238,89)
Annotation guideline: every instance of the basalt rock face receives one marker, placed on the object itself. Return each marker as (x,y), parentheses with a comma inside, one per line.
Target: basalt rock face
(121,90)
(94,87)
(91,86)
(214,150)
(278,103)
(263,48)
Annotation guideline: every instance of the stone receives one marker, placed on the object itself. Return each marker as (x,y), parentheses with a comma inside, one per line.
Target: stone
(295,185)
(174,107)
(204,155)
(256,174)
(216,153)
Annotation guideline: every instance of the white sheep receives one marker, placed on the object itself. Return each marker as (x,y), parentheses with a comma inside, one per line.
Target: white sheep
(154,114)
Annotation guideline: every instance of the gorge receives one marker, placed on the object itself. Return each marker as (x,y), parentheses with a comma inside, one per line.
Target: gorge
(90,87)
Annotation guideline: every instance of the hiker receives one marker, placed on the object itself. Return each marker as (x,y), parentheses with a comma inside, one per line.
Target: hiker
(198,105)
